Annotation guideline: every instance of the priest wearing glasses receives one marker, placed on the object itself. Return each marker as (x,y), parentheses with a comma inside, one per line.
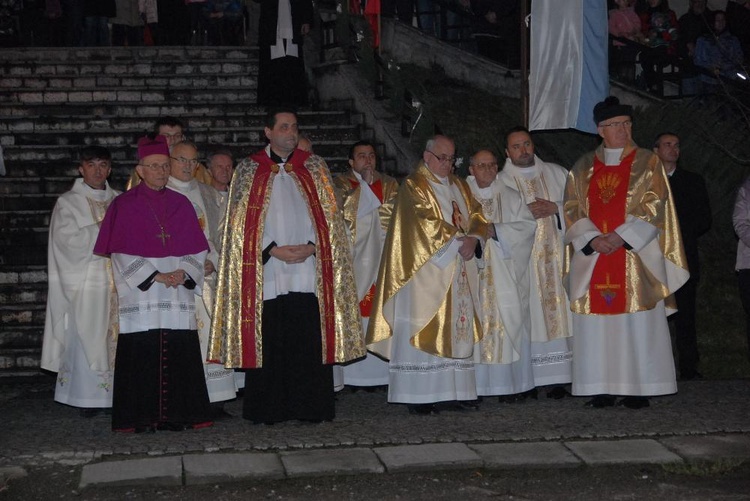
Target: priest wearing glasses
(158,252)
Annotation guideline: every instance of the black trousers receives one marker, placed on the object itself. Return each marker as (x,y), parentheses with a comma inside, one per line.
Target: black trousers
(293,382)
(686,336)
(743,278)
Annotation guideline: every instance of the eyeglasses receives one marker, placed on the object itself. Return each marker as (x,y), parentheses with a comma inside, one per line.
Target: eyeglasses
(155,166)
(443,158)
(485,165)
(626,124)
(191,162)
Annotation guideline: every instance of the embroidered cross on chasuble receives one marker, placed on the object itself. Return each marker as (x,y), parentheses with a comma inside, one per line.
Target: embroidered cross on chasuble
(607,196)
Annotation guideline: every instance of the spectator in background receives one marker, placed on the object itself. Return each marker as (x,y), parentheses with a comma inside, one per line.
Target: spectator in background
(223,20)
(496,30)
(624,23)
(281,73)
(198,26)
(692,25)
(741,220)
(694,214)
(646,10)
(127,25)
(738,17)
(719,52)
(174,28)
(150,15)
(73,13)
(96,14)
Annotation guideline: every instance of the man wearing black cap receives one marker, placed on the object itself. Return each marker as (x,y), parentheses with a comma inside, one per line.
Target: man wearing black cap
(625,260)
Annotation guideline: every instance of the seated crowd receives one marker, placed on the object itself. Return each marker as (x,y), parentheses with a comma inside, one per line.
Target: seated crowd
(705,46)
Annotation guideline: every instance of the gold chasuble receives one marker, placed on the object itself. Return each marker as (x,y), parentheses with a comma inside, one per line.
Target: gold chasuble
(598,200)
(236,335)
(417,232)
(385,189)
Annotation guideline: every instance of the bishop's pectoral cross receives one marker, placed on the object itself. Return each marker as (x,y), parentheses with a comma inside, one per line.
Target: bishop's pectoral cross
(163,235)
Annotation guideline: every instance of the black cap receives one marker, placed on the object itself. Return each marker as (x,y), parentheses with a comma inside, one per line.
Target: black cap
(609,108)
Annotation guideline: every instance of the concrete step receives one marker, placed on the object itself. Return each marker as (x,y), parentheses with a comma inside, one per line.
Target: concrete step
(21,338)
(62,55)
(17,254)
(23,275)
(22,314)
(24,219)
(66,122)
(245,78)
(13,202)
(34,185)
(224,95)
(218,135)
(22,359)
(23,236)
(151,110)
(23,293)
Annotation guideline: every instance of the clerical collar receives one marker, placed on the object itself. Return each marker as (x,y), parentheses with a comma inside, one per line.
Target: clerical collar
(180,185)
(273,156)
(613,156)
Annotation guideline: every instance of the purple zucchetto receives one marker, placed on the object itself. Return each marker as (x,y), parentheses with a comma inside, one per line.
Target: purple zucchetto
(609,108)
(156,146)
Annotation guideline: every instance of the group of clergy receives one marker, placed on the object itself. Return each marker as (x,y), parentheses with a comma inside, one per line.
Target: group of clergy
(442,288)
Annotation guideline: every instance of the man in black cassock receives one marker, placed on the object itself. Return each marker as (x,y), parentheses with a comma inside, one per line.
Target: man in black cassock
(282,27)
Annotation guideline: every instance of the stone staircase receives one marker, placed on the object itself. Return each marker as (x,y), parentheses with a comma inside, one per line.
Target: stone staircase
(54,101)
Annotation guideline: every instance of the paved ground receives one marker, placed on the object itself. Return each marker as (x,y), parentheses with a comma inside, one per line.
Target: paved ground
(705,420)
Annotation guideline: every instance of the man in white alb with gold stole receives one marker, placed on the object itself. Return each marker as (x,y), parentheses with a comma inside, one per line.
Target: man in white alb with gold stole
(537,188)
(427,291)
(503,364)
(624,261)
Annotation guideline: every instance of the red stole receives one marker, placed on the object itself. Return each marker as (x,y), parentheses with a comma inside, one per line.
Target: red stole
(252,249)
(365,306)
(607,196)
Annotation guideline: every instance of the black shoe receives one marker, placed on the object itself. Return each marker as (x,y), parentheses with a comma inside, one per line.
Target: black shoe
(173,427)
(532,393)
(458,406)
(144,429)
(90,412)
(558,392)
(690,375)
(634,402)
(600,401)
(422,409)
(218,413)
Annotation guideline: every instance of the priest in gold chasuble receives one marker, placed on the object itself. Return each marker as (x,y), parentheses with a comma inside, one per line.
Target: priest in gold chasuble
(286,303)
(623,262)
(367,198)
(426,296)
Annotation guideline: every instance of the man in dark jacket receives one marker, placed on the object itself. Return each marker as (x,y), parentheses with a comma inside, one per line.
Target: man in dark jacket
(694,214)
(281,72)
